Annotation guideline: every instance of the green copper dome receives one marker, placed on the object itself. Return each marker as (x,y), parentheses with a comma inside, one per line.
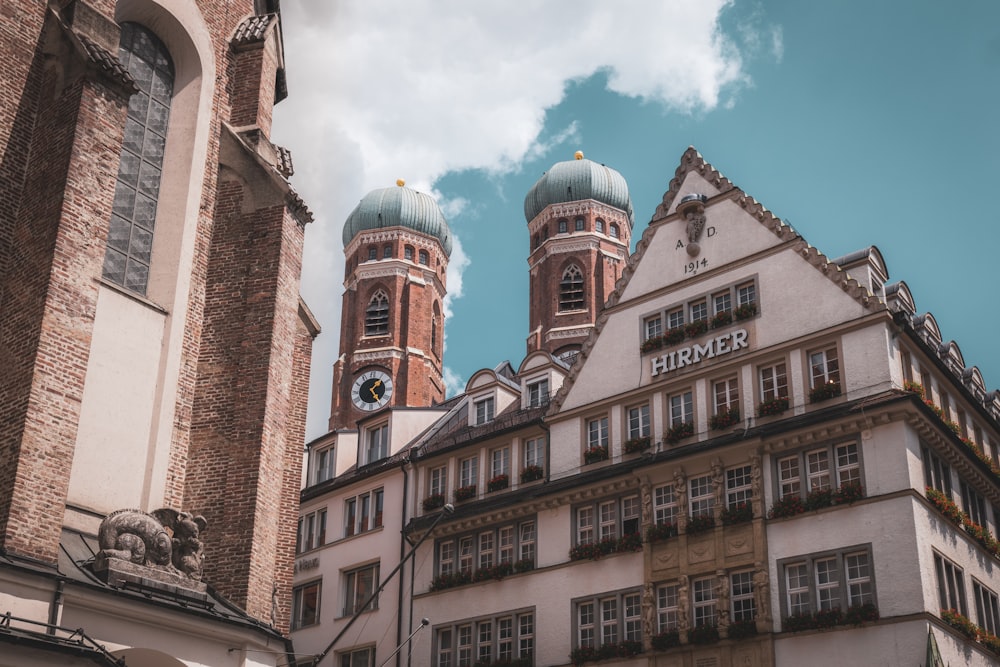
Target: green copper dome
(576,180)
(398,207)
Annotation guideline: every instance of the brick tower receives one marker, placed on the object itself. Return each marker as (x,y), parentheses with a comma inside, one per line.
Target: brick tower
(579,217)
(397,245)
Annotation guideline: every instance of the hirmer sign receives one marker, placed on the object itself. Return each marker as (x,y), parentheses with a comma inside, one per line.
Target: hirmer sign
(713,347)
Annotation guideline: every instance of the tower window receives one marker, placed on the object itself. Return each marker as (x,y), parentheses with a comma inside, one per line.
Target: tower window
(386,251)
(130,232)
(579,224)
(614,230)
(408,253)
(571,289)
(424,258)
(563,226)
(377,315)
(600,226)
(372,253)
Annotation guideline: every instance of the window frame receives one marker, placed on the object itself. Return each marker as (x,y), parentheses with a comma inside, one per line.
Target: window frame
(364,512)
(299,618)
(776,386)
(950,580)
(825,373)
(351,592)
(376,442)
(609,619)
(572,292)
(680,404)
(324,463)
(485,409)
(808,480)
(377,314)
(311,532)
(638,425)
(348,658)
(509,636)
(537,392)
(486,552)
(607,518)
(808,584)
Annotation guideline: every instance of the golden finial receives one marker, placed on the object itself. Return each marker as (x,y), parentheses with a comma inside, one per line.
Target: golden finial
(400,182)
(578,155)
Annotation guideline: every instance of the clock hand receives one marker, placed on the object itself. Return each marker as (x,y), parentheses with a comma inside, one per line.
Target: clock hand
(372,390)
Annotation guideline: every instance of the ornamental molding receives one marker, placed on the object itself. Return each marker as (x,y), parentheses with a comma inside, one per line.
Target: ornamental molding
(364,272)
(380,354)
(568,332)
(580,207)
(369,236)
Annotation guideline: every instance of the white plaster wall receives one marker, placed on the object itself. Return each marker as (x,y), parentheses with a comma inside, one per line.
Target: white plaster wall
(405,425)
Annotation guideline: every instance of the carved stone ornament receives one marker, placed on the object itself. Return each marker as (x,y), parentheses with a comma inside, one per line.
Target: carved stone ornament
(692,207)
(163,547)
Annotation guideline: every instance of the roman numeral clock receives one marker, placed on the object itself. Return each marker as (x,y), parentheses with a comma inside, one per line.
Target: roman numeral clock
(371,391)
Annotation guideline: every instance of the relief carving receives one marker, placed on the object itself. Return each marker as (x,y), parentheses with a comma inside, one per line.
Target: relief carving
(165,541)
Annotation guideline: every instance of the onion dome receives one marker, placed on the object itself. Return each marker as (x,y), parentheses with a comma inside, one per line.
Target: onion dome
(398,207)
(577,180)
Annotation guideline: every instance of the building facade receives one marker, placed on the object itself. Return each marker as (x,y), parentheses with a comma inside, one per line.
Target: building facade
(760,456)
(154,343)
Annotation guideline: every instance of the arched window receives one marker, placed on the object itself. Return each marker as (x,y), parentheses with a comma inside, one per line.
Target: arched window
(408,253)
(579,224)
(372,253)
(377,315)
(571,289)
(614,230)
(386,252)
(435,319)
(600,226)
(563,227)
(424,258)
(130,232)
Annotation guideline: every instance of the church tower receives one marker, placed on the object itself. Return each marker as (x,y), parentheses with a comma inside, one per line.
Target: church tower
(397,245)
(579,217)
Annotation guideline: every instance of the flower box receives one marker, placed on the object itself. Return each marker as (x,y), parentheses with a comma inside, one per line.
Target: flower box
(740,513)
(828,618)
(531,473)
(703,634)
(914,387)
(651,344)
(674,336)
(960,623)
(661,531)
(696,328)
(524,565)
(700,524)
(741,629)
(818,499)
(633,445)
(724,419)
(848,493)
(666,639)
(678,432)
(433,501)
(608,545)
(772,406)
(722,319)
(860,614)
(595,454)
(465,492)
(790,505)
(450,580)
(745,311)
(824,392)
(498,483)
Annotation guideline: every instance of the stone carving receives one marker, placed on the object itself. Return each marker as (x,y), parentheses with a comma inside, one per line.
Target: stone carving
(761,588)
(723,598)
(756,487)
(681,493)
(693,208)
(165,540)
(647,504)
(682,602)
(648,609)
(718,486)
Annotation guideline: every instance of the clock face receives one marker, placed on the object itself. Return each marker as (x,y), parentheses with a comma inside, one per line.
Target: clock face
(371,391)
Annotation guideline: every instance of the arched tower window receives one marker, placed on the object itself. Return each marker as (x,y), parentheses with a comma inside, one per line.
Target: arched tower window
(130,233)
(571,289)
(377,314)
(435,319)
(614,230)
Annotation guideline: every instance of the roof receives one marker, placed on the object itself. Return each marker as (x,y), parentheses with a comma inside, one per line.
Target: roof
(398,207)
(579,180)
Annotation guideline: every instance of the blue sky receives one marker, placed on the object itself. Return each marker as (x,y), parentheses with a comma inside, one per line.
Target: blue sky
(858,123)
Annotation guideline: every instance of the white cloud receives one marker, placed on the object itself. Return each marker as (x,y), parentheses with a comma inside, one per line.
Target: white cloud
(391,89)
(453,384)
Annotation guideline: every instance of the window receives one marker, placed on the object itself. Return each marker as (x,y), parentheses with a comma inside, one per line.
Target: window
(424,258)
(951,585)
(653,327)
(820,473)
(538,393)
(489,640)
(832,580)
(702,497)
(823,367)
(727,396)
(468,471)
(363,657)
(739,486)
(377,314)
(987,608)
(667,607)
(579,224)
(363,513)
(439,480)
(484,410)
(973,503)
(563,227)
(486,548)
(312,531)
(534,452)
(609,619)
(723,302)
(137,188)
(744,607)
(408,253)
(614,518)
(638,422)
(665,505)
(773,382)
(746,294)
(675,318)
(500,462)
(323,464)
(937,474)
(305,604)
(372,253)
(571,289)
(704,602)
(614,230)
(699,311)
(597,433)
(600,226)
(527,541)
(387,252)
(376,443)
(359,585)
(681,409)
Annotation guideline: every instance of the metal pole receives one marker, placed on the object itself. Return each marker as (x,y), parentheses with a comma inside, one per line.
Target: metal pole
(447,510)
(423,623)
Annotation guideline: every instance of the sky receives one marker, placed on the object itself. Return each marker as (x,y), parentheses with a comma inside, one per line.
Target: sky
(857,122)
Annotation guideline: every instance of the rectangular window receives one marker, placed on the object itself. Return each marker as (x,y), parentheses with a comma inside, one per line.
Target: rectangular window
(377,443)
(824,367)
(822,582)
(505,638)
(439,480)
(951,585)
(675,318)
(466,547)
(653,327)
(937,474)
(859,579)
(468,471)
(464,634)
(487,548)
(699,311)
(609,619)
(818,469)
(987,609)
(500,462)
(681,409)
(526,636)
(586,632)
(665,505)
(667,607)
(485,642)
(744,606)
(638,422)
(538,393)
(746,294)
(797,587)
(527,541)
(827,583)
(324,464)
(359,585)
(363,512)
(364,657)
(534,452)
(739,486)
(789,481)
(702,498)
(446,557)
(727,396)
(608,519)
(305,604)
(633,616)
(488,640)
(585,525)
(704,601)
(484,410)
(773,382)
(505,544)
(825,468)
(848,466)
(723,302)
(597,433)
(973,503)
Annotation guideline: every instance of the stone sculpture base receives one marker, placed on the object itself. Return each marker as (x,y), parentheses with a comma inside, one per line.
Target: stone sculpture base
(116,572)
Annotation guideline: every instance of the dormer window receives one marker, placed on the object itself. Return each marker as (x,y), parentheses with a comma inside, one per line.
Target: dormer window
(485,410)
(538,393)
